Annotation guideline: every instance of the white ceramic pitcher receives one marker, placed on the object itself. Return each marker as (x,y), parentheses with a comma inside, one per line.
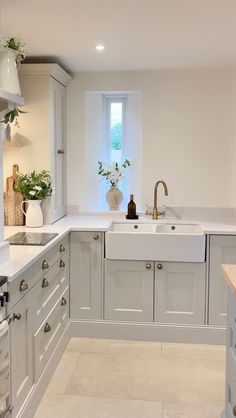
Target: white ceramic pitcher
(9,80)
(33,214)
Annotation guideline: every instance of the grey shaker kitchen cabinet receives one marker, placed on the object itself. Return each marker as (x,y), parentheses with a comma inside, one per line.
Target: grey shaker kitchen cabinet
(180,293)
(222,251)
(129,290)
(86,261)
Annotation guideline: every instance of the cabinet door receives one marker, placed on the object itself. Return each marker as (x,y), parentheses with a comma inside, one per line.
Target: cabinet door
(21,353)
(86,255)
(58,94)
(180,293)
(222,251)
(129,287)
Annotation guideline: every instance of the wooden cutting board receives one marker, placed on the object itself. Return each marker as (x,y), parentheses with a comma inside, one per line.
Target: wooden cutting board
(12,202)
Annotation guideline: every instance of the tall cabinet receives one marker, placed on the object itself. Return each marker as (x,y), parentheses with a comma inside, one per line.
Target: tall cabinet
(40,142)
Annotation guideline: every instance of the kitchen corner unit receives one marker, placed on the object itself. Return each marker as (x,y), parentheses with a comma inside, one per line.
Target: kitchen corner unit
(44,130)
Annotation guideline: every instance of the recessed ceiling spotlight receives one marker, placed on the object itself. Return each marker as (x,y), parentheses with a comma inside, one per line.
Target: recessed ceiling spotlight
(100,47)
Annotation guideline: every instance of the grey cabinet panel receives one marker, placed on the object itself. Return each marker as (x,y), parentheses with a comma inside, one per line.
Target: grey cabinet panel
(222,251)
(129,290)
(86,275)
(180,293)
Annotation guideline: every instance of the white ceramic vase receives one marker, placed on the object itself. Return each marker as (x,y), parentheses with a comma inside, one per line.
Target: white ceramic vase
(9,80)
(114,198)
(33,214)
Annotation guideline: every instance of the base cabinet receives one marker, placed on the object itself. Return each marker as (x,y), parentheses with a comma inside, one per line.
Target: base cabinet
(222,251)
(129,290)
(22,353)
(86,259)
(230,398)
(180,293)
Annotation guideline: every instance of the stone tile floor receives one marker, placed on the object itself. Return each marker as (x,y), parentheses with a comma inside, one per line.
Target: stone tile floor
(130,379)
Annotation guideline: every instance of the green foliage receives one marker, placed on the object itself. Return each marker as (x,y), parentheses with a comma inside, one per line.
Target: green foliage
(35,186)
(12,116)
(114,172)
(116,136)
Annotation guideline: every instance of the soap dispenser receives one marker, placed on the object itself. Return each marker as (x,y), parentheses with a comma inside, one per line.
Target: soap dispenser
(131,209)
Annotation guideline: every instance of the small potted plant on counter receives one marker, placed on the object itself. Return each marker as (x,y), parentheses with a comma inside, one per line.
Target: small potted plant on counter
(35,187)
(113,173)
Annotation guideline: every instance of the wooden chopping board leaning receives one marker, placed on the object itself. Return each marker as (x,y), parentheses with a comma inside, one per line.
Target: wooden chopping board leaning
(12,201)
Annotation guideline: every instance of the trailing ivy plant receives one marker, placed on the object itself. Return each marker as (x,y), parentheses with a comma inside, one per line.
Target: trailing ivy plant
(12,116)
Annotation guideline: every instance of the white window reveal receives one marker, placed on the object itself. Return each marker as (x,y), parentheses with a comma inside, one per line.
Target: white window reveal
(115,126)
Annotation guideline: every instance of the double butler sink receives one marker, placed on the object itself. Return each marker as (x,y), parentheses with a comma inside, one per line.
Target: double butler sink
(153,241)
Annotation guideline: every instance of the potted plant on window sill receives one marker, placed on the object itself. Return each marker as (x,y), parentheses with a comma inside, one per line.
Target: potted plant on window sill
(113,174)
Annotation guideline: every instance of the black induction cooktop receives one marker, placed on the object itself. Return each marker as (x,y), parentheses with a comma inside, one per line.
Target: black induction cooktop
(31,238)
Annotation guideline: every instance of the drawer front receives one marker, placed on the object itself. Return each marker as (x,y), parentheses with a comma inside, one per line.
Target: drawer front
(48,289)
(20,286)
(44,263)
(49,333)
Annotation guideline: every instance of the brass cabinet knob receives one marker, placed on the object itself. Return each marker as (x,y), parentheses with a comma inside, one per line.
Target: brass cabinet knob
(61,151)
(62,248)
(62,263)
(23,286)
(45,265)
(17,316)
(148,266)
(96,237)
(47,327)
(234,410)
(45,282)
(63,302)
(159,266)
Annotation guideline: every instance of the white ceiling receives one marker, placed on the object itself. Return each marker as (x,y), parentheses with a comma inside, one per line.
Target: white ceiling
(137,34)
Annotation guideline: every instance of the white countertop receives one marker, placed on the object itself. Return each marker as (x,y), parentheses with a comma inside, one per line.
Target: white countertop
(23,256)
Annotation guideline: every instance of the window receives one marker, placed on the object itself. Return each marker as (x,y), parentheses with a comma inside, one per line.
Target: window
(115,126)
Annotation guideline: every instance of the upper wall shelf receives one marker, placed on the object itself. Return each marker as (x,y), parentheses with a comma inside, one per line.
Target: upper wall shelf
(7,98)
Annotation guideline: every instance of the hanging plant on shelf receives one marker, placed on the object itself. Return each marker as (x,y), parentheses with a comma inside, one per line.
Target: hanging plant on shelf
(16,44)
(10,117)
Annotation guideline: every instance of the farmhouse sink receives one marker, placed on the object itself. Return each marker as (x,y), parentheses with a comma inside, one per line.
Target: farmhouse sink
(152,241)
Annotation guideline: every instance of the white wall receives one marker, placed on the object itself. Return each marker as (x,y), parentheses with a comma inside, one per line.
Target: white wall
(189,134)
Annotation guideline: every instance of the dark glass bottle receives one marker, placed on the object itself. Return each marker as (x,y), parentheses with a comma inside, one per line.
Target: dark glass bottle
(131,209)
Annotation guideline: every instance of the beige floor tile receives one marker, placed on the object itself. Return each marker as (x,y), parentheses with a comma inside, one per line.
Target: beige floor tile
(63,373)
(131,376)
(55,406)
(216,352)
(184,410)
(91,345)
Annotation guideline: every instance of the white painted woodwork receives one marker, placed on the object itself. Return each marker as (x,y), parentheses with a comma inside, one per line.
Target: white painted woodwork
(222,251)
(129,290)
(45,342)
(86,255)
(180,293)
(42,131)
(58,134)
(22,353)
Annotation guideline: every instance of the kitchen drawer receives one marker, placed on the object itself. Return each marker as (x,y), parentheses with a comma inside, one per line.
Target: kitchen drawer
(230,396)
(47,260)
(48,289)
(49,333)
(20,286)
(5,379)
